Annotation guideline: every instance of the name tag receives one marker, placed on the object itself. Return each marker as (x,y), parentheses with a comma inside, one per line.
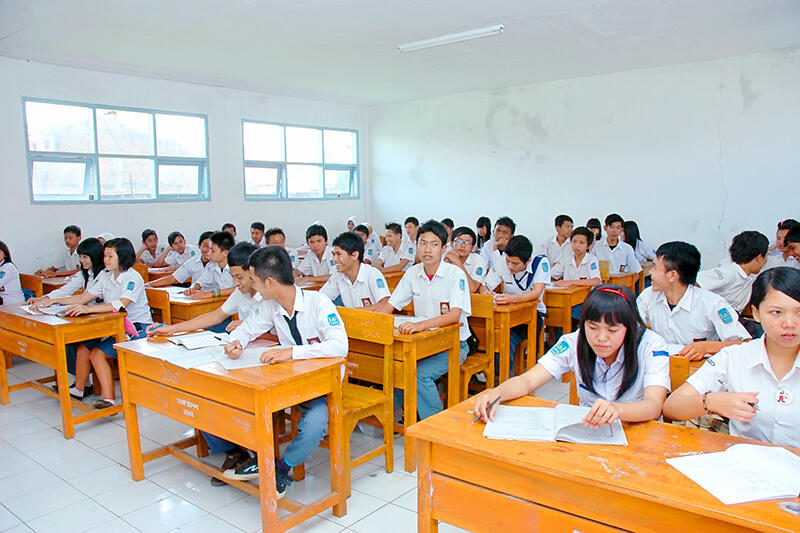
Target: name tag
(444,307)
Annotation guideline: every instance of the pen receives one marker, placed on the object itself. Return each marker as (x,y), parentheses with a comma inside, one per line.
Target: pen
(488,409)
(155,328)
(731,389)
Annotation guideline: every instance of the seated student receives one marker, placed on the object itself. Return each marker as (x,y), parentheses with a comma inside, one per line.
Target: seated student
(754,384)
(276,237)
(179,251)
(780,254)
(593,224)
(493,250)
(439,292)
(230,228)
(411,226)
(557,249)
(733,279)
(90,252)
(792,243)
(692,320)
(151,252)
(643,251)
(483,233)
(70,263)
(358,284)
(581,269)
(257,238)
(464,258)
(617,385)
(308,326)
(396,255)
(121,288)
(10,287)
(105,236)
(373,239)
(351,223)
(216,278)
(193,268)
(448,226)
(318,262)
(618,253)
(371,250)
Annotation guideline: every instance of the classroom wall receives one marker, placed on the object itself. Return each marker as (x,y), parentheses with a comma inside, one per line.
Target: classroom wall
(696,152)
(33,232)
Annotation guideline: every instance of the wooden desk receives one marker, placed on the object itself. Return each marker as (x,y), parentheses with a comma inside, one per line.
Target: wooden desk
(626,279)
(559,302)
(310,285)
(493,485)
(506,317)
(160,272)
(365,361)
(51,284)
(235,405)
(647,267)
(43,338)
(184,309)
(392,279)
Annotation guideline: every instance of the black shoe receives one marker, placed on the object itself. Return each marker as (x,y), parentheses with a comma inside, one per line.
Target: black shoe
(244,472)
(233,459)
(86,392)
(102,404)
(283,480)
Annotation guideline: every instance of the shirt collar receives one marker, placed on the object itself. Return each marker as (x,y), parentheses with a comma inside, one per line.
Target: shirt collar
(363,274)
(757,349)
(299,298)
(439,271)
(739,270)
(583,261)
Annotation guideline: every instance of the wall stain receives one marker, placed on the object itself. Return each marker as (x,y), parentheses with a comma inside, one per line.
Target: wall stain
(496,108)
(535,127)
(749,96)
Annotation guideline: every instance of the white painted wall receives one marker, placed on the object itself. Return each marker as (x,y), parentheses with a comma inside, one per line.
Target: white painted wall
(33,232)
(695,152)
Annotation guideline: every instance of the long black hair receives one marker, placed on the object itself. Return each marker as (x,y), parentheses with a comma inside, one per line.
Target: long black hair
(783,279)
(612,304)
(92,248)
(594,223)
(632,235)
(483,222)
(6,254)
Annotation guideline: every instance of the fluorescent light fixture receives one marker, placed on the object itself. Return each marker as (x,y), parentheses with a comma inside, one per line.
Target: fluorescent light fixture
(452,38)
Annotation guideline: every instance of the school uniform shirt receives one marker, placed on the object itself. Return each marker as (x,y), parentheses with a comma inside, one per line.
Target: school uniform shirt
(294,257)
(621,259)
(653,368)
(410,245)
(369,288)
(193,268)
(775,259)
(570,271)
(522,282)
(435,297)
(729,281)
(644,252)
(240,303)
(557,253)
(476,267)
(129,285)
(175,259)
(311,265)
(372,251)
(746,368)
(71,260)
(148,258)
(10,287)
(319,324)
(74,284)
(214,277)
(700,315)
(261,244)
(391,258)
(489,253)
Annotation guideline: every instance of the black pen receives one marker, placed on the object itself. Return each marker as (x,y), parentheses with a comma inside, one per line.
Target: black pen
(488,409)
(731,389)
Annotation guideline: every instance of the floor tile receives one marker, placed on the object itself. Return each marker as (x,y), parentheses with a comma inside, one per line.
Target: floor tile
(14,464)
(26,482)
(8,519)
(408,500)
(179,478)
(117,525)
(206,524)
(44,501)
(358,506)
(244,514)
(211,498)
(81,464)
(81,516)
(103,480)
(387,519)
(385,486)
(129,498)
(164,515)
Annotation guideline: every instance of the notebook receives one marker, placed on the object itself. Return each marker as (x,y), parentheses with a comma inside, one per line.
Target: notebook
(55,310)
(204,339)
(251,355)
(743,473)
(560,423)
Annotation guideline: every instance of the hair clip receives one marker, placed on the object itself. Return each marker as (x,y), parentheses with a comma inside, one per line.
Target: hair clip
(615,291)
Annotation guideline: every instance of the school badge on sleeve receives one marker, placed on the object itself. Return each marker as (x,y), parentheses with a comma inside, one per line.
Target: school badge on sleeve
(333,320)
(131,285)
(725,315)
(560,348)
(380,283)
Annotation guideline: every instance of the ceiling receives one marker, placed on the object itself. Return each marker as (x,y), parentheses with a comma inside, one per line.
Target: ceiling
(346,50)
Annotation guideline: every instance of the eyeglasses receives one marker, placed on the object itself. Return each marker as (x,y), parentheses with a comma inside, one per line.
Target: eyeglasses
(462,241)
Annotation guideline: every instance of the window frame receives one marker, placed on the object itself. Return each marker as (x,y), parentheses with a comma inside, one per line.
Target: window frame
(282,187)
(92,175)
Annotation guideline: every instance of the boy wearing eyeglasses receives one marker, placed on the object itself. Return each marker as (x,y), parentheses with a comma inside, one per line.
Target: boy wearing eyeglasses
(462,256)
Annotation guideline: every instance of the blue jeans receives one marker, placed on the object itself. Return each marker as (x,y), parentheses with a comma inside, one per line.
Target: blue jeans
(429,370)
(220,328)
(310,430)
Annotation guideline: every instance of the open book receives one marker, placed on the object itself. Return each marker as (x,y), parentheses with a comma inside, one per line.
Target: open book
(55,310)
(744,473)
(560,423)
(204,339)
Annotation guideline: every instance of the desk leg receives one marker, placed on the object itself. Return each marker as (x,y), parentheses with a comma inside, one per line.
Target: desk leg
(410,403)
(131,420)
(567,319)
(533,344)
(340,472)
(266,464)
(504,347)
(454,373)
(425,521)
(62,382)
(3,378)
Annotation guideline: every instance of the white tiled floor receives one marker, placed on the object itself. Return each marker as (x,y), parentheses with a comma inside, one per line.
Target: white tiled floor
(84,484)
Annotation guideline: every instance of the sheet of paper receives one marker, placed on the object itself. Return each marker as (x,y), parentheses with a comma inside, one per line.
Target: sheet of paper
(521,423)
(400,319)
(251,356)
(174,290)
(27,309)
(204,339)
(54,310)
(180,356)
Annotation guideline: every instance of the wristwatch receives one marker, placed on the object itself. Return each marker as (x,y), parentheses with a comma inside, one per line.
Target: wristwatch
(215,293)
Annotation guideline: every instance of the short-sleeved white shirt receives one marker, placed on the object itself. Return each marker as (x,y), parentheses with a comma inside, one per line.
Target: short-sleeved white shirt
(311,265)
(173,258)
(644,252)
(261,244)
(240,303)
(775,259)
(522,282)
(569,271)
(489,254)
(369,288)
(746,368)
(700,315)
(557,253)
(448,289)
(476,267)
(653,368)
(729,281)
(74,283)
(10,286)
(71,260)
(391,258)
(214,277)
(372,250)
(148,258)
(621,259)
(193,268)
(129,285)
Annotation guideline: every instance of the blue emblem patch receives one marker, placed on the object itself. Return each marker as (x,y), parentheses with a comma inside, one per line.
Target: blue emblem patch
(461,284)
(2,275)
(560,348)
(660,353)
(369,252)
(411,250)
(545,267)
(594,266)
(479,271)
(380,283)
(725,316)
(331,262)
(192,254)
(131,285)
(333,320)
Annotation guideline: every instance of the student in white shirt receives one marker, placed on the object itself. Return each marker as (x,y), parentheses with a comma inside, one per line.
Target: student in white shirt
(308,326)
(779,254)
(621,368)
(357,283)
(411,226)
(494,248)
(693,321)
(151,253)
(371,250)
(351,223)
(483,233)
(630,234)
(581,270)
(618,253)
(257,237)
(90,252)
(397,255)
(317,265)
(792,242)
(179,252)
(372,239)
(464,258)
(449,225)
(70,263)
(593,224)
(557,249)
(276,237)
(122,289)
(216,278)
(230,228)
(104,237)
(10,286)
(755,384)
(193,268)
(441,297)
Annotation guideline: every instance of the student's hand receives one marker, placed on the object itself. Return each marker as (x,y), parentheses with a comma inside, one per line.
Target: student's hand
(502,299)
(233,350)
(561,283)
(39,272)
(49,274)
(735,406)
(77,310)
(278,355)
(483,402)
(191,290)
(407,328)
(200,295)
(232,325)
(155,329)
(602,412)
(694,351)
(41,301)
(452,258)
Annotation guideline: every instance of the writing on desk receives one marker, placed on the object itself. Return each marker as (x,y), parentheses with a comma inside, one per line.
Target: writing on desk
(187,408)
